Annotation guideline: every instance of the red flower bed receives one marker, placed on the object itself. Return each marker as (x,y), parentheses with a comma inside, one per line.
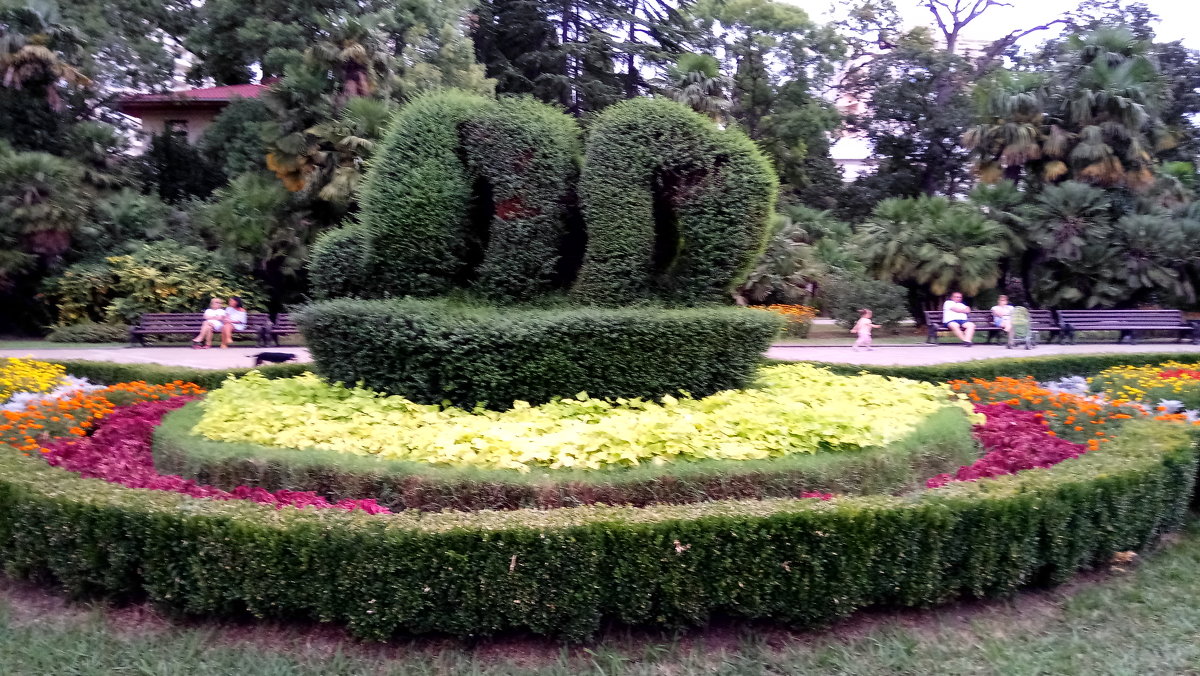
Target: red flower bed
(1190,374)
(1015,440)
(120,451)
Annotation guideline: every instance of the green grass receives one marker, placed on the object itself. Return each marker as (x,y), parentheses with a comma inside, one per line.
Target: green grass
(45,345)
(1145,621)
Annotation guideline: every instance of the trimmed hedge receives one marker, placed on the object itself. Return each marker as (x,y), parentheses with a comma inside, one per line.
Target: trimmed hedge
(675,208)
(433,351)
(566,572)
(942,444)
(463,192)
(528,155)
(111,373)
(1048,367)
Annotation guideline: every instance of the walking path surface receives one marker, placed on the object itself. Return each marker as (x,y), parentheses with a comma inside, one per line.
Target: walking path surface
(215,358)
(241,357)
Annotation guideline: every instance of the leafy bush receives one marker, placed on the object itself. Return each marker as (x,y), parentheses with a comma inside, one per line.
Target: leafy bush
(89,332)
(463,191)
(431,351)
(339,263)
(794,409)
(567,572)
(112,373)
(158,277)
(842,297)
(675,208)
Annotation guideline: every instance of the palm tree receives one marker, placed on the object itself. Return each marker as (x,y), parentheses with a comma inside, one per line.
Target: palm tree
(1149,250)
(960,250)
(887,242)
(1063,218)
(1112,104)
(42,206)
(339,148)
(696,81)
(1014,136)
(36,49)
(355,48)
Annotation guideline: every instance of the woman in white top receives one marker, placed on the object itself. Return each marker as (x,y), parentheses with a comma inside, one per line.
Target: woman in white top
(235,320)
(1002,314)
(214,320)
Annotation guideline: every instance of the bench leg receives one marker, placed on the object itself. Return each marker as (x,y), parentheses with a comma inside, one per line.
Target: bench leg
(932,338)
(1195,332)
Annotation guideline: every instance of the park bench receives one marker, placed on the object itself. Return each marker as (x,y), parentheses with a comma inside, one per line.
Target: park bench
(1039,320)
(1128,323)
(282,326)
(188,324)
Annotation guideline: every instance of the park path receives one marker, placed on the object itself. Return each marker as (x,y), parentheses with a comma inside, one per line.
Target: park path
(241,357)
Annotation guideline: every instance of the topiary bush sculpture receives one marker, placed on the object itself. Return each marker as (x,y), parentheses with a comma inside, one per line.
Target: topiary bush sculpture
(475,196)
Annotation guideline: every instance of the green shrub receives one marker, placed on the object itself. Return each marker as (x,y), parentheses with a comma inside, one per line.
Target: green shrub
(89,332)
(111,373)
(942,443)
(434,351)
(675,208)
(528,154)
(1048,367)
(567,572)
(843,296)
(157,277)
(338,263)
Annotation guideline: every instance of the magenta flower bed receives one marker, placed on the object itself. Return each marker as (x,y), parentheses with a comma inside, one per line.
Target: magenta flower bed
(1015,440)
(120,451)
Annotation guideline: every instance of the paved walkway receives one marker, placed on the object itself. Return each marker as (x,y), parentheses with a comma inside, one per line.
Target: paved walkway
(236,357)
(215,358)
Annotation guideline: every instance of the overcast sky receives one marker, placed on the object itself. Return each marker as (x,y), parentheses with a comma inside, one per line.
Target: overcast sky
(1180,18)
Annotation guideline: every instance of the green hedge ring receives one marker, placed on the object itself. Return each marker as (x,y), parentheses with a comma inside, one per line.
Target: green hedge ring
(943,444)
(566,572)
(675,208)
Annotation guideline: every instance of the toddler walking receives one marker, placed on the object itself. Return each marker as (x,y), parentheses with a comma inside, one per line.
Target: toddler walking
(863,328)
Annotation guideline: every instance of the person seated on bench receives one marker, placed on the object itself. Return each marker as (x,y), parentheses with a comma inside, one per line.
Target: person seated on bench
(955,317)
(235,320)
(214,321)
(1002,314)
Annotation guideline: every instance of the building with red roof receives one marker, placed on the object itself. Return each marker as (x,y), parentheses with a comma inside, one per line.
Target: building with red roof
(187,112)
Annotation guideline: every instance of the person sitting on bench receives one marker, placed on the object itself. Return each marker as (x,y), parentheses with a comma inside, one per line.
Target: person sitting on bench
(1002,314)
(955,317)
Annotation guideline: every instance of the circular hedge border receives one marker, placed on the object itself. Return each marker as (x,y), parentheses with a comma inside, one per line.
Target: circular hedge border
(565,572)
(942,444)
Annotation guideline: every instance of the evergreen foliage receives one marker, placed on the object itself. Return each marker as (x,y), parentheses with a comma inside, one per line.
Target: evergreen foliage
(431,351)
(675,209)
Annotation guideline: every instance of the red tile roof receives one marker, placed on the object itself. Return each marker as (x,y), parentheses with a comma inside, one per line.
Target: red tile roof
(205,96)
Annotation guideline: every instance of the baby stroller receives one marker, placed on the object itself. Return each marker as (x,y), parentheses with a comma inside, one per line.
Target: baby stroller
(1021,333)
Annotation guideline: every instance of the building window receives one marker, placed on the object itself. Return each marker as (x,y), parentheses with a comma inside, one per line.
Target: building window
(177,128)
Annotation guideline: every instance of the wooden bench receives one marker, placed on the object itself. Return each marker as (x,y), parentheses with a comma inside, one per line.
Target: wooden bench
(282,326)
(188,324)
(1128,323)
(1039,320)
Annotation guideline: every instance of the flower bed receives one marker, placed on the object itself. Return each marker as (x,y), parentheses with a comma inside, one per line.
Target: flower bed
(790,410)
(566,572)
(1176,383)
(940,444)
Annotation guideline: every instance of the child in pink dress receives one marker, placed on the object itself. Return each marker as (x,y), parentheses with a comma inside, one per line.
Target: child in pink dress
(863,328)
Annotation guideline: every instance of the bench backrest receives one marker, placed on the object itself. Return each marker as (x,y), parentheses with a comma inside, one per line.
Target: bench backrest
(1083,319)
(285,324)
(178,321)
(1043,319)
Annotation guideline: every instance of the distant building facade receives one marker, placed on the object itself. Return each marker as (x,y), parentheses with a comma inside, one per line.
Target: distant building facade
(186,112)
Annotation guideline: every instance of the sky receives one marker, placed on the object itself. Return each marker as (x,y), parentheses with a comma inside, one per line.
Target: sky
(1179,18)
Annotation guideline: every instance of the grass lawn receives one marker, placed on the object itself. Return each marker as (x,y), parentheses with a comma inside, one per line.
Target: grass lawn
(1142,621)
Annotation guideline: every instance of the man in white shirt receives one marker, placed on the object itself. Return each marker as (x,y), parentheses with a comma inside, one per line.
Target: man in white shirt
(955,317)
